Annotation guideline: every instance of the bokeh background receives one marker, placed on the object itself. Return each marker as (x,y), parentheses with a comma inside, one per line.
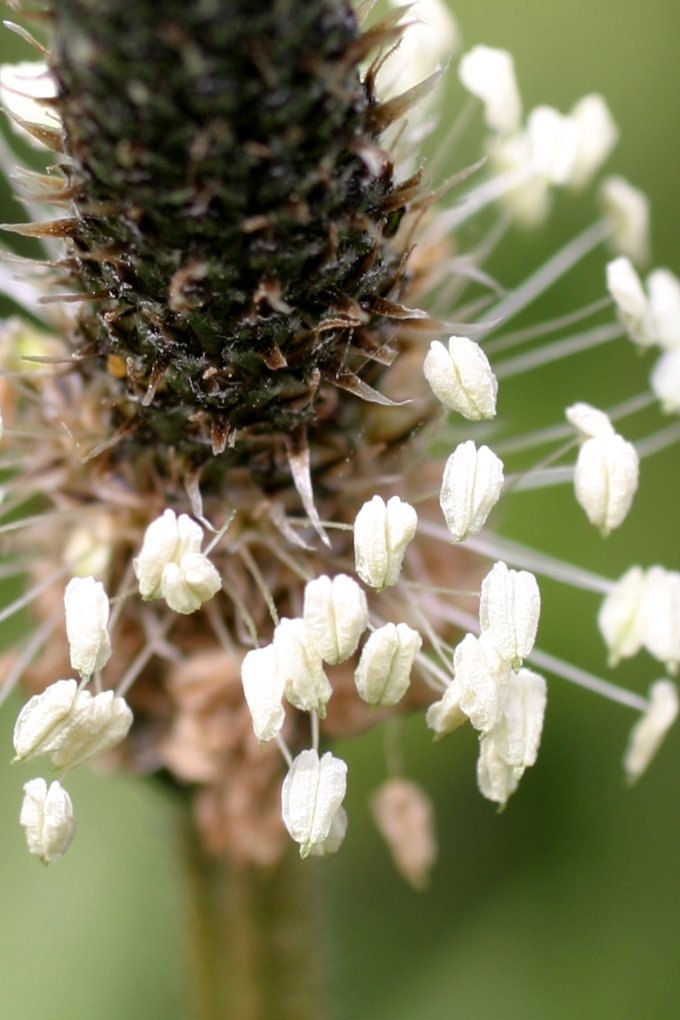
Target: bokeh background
(565,905)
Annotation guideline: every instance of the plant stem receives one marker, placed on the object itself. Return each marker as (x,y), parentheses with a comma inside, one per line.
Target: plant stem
(253,938)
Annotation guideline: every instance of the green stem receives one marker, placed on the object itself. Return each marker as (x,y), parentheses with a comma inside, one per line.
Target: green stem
(253,934)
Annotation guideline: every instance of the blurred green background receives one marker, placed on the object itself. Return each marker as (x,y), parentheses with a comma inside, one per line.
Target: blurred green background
(568,903)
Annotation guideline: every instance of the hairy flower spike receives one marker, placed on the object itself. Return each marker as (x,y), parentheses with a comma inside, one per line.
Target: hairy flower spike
(47,817)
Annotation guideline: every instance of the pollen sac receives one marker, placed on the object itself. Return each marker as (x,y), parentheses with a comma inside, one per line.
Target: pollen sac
(627,212)
(381,534)
(263,687)
(306,685)
(597,135)
(336,614)
(482,674)
(509,609)
(512,745)
(660,611)
(311,796)
(47,816)
(87,616)
(621,619)
(663,288)
(606,479)
(384,671)
(461,378)
(96,724)
(471,487)
(625,287)
(589,420)
(335,838)
(42,720)
(171,566)
(446,715)
(665,381)
(404,816)
(489,74)
(553,140)
(70,726)
(649,731)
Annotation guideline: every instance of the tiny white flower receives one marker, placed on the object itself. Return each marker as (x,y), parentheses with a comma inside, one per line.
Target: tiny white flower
(306,685)
(517,735)
(663,288)
(47,816)
(589,420)
(606,479)
(96,724)
(509,609)
(446,715)
(625,287)
(597,135)
(660,613)
(335,838)
(496,779)
(263,686)
(384,670)
(528,200)
(405,818)
(471,487)
(665,381)
(336,614)
(482,674)
(627,212)
(650,730)
(170,564)
(620,618)
(431,36)
(312,794)
(554,141)
(42,718)
(461,378)
(87,616)
(489,74)
(381,535)
(88,548)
